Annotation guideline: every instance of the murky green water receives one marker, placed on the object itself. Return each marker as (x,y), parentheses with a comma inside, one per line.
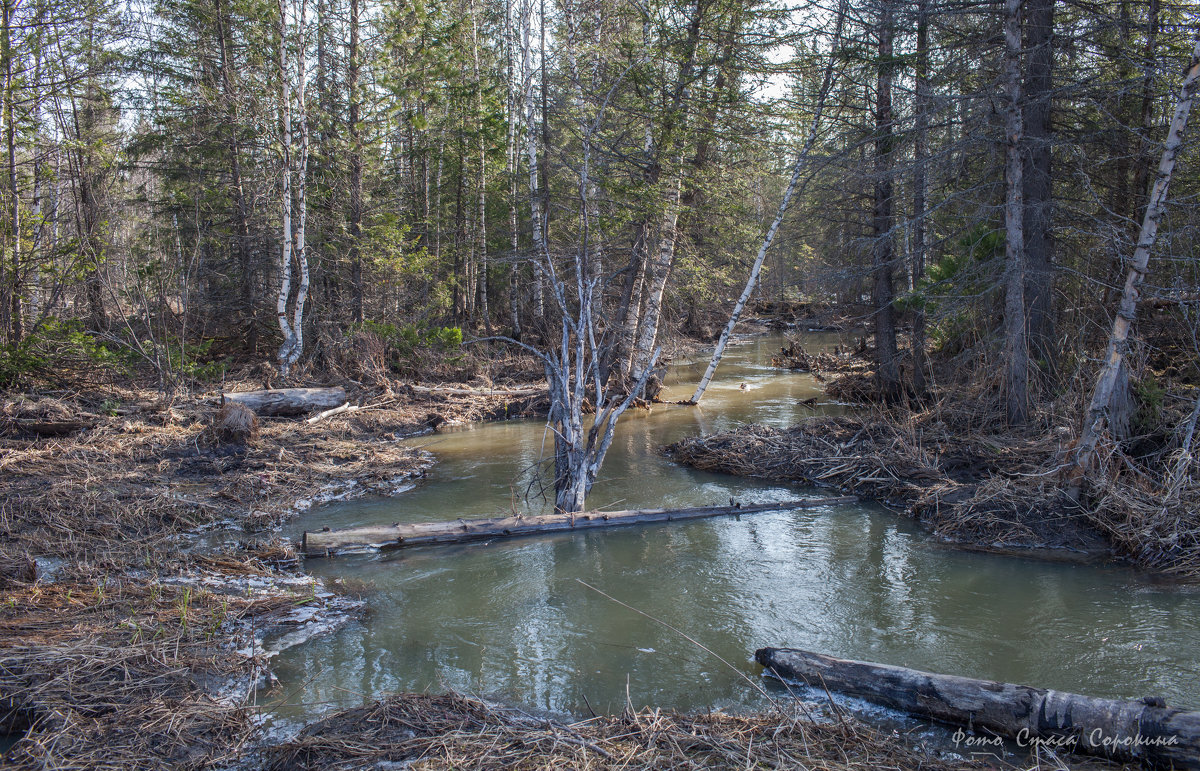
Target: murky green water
(511,620)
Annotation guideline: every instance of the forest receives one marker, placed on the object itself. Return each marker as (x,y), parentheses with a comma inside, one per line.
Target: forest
(261,259)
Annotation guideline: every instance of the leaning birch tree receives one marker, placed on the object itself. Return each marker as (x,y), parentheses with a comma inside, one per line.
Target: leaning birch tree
(797,171)
(1118,341)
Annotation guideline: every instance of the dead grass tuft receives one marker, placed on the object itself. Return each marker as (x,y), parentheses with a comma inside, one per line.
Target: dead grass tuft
(425,731)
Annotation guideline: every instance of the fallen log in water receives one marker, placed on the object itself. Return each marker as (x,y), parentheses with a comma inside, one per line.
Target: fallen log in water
(1142,729)
(326,542)
(288,401)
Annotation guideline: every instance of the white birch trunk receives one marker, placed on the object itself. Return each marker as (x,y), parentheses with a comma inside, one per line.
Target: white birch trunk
(301,250)
(285,255)
(293,248)
(1118,341)
(657,272)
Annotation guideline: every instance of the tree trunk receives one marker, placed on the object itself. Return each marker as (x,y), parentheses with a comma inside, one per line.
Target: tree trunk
(481,278)
(658,270)
(236,188)
(1141,729)
(11,296)
(356,166)
(1145,159)
(920,144)
(1016,349)
(1037,182)
(293,234)
(531,149)
(90,181)
(1118,341)
(888,372)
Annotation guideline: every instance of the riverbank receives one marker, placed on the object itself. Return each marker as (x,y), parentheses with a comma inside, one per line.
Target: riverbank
(128,639)
(455,731)
(124,645)
(976,488)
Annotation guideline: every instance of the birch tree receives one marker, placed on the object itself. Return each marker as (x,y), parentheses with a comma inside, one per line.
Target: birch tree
(1118,340)
(292,48)
(798,169)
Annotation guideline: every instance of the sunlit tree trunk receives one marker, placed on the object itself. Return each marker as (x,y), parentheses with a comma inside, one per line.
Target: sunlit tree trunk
(293,247)
(658,270)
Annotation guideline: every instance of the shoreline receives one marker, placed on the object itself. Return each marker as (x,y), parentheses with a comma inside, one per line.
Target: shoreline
(198,628)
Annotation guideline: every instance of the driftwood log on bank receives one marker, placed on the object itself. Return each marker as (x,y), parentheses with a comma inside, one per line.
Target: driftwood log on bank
(288,401)
(325,542)
(1144,729)
(452,391)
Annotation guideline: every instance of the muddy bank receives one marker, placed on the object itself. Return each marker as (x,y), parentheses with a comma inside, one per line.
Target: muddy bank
(150,670)
(124,642)
(982,491)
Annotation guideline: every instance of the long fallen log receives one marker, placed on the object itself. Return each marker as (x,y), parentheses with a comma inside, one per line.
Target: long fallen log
(1142,729)
(321,543)
(288,401)
(520,392)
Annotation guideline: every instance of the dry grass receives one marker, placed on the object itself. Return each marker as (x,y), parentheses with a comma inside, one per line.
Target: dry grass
(112,495)
(115,661)
(454,731)
(956,467)
(128,673)
(973,489)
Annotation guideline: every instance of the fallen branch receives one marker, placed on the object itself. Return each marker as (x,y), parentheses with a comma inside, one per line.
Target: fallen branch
(347,407)
(288,401)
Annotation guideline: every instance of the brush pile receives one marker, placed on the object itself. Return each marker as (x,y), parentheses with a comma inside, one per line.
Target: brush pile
(976,490)
(421,731)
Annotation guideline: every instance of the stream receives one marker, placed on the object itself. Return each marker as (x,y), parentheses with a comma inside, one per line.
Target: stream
(509,620)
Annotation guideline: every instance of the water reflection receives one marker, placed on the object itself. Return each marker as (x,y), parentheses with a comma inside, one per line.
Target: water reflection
(510,619)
